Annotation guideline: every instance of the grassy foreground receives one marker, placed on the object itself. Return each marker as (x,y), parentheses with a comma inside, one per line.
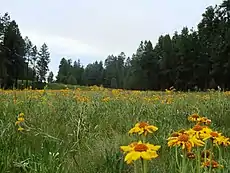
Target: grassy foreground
(75,131)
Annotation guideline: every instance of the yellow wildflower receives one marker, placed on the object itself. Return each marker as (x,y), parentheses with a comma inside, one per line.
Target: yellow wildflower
(20,128)
(196,118)
(21,115)
(143,128)
(193,117)
(185,140)
(204,120)
(20,119)
(106,99)
(201,132)
(221,140)
(140,150)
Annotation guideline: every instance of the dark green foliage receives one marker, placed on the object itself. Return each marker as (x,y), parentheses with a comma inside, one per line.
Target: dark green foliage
(113,82)
(70,74)
(42,62)
(18,56)
(39,85)
(93,74)
(71,80)
(50,77)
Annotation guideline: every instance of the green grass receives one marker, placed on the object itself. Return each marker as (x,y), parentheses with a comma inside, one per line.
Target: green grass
(67,135)
(51,86)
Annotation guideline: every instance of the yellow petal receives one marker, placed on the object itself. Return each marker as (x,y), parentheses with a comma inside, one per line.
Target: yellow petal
(146,155)
(153,147)
(132,156)
(137,125)
(20,129)
(154,128)
(172,142)
(135,155)
(125,148)
(148,130)
(21,119)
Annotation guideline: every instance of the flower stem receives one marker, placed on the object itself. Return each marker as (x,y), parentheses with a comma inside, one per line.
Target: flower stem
(177,162)
(143,138)
(220,155)
(144,166)
(184,162)
(198,160)
(205,155)
(210,166)
(135,167)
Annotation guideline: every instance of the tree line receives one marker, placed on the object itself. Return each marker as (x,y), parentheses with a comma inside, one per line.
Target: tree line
(190,59)
(20,60)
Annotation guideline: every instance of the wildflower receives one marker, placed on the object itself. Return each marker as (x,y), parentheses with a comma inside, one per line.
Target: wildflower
(196,118)
(193,117)
(129,147)
(201,132)
(21,114)
(20,128)
(204,120)
(140,150)
(212,163)
(176,134)
(211,135)
(106,99)
(216,137)
(185,140)
(20,121)
(206,154)
(171,89)
(191,155)
(221,140)
(143,128)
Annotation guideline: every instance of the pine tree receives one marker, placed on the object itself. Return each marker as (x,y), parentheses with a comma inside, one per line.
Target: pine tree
(42,63)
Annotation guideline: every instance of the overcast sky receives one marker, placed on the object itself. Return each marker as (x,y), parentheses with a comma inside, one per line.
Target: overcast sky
(92,29)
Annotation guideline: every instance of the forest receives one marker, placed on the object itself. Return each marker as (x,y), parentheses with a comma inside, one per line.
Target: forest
(192,59)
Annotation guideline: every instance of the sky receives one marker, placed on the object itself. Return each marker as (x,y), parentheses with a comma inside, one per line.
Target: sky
(91,30)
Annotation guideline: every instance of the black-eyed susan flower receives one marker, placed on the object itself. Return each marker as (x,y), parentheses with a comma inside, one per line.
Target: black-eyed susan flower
(143,128)
(185,140)
(135,151)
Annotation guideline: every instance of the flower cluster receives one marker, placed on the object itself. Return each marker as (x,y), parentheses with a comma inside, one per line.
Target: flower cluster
(141,150)
(196,140)
(20,121)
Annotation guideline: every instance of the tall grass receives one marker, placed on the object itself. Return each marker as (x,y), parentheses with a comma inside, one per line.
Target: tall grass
(69,131)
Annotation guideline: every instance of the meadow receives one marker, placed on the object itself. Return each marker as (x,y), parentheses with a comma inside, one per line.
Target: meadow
(81,131)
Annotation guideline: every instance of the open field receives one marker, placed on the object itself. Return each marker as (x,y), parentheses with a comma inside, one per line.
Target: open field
(75,131)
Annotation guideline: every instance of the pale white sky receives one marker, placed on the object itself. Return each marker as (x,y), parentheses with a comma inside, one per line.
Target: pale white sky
(92,29)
